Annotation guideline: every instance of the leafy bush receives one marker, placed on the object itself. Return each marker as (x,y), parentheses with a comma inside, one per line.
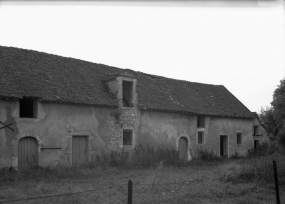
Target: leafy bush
(236,155)
(263,149)
(208,155)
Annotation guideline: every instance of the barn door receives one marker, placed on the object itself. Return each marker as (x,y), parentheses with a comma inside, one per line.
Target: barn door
(27,153)
(79,150)
(183,148)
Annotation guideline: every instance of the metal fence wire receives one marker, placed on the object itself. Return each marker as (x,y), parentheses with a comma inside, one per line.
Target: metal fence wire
(162,191)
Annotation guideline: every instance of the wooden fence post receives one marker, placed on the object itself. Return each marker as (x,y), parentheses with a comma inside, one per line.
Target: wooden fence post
(276,182)
(130,192)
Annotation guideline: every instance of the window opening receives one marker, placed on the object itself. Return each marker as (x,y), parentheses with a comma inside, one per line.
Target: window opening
(28,108)
(200,121)
(127,137)
(127,93)
(239,138)
(200,137)
(256,130)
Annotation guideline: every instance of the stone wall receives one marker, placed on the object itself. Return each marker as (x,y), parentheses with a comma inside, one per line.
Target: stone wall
(119,119)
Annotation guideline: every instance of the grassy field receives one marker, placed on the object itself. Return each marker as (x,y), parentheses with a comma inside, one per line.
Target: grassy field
(198,182)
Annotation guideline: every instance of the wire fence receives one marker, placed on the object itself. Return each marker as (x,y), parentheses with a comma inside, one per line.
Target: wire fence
(162,191)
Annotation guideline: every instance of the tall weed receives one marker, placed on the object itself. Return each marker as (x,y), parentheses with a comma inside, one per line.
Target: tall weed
(140,157)
(149,156)
(260,168)
(208,155)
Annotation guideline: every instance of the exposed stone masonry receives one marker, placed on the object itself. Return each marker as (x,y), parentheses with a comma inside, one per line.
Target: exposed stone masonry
(123,118)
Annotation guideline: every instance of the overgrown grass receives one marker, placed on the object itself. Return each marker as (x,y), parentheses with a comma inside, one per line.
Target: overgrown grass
(141,157)
(208,155)
(261,168)
(264,149)
(51,173)
(257,165)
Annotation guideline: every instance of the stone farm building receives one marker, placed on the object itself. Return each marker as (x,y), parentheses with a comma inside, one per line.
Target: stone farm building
(58,110)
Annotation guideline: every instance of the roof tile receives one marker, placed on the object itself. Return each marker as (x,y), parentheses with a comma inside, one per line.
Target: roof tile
(55,78)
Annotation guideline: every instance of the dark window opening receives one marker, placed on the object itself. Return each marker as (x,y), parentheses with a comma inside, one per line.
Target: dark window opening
(200,121)
(256,130)
(127,93)
(200,137)
(127,137)
(28,108)
(256,143)
(239,138)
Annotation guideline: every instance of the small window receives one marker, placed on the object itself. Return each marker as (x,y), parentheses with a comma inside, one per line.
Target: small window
(200,121)
(255,130)
(28,107)
(200,137)
(127,94)
(127,137)
(256,143)
(239,138)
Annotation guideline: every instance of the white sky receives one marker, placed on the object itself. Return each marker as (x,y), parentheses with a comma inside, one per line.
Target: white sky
(238,45)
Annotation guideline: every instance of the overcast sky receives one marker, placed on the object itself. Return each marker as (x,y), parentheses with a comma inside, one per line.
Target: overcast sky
(235,44)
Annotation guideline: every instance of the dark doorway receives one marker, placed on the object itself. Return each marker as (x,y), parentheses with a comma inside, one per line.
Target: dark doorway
(183,148)
(223,145)
(256,143)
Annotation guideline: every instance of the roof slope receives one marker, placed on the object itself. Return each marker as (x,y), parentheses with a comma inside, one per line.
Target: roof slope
(55,78)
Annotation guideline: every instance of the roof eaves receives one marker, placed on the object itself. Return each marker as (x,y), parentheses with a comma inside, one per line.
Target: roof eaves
(193,113)
(74,103)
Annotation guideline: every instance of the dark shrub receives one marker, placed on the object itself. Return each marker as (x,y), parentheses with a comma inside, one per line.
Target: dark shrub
(236,155)
(208,155)
(263,149)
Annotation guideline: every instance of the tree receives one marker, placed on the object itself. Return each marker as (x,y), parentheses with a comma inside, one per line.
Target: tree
(267,119)
(278,105)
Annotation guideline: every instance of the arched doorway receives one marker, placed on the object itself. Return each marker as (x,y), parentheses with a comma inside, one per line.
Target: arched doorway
(183,148)
(27,153)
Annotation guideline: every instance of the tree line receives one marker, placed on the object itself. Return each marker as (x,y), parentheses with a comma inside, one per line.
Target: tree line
(273,116)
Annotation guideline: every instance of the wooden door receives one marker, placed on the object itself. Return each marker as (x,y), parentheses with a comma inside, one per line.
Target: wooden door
(183,148)
(79,150)
(27,153)
(224,146)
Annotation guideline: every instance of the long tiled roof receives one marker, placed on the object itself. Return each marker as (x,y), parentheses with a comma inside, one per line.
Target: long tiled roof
(60,79)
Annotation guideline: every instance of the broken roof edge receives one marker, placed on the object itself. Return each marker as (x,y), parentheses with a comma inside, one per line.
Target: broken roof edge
(193,113)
